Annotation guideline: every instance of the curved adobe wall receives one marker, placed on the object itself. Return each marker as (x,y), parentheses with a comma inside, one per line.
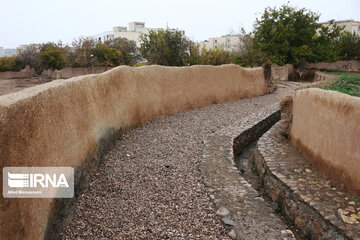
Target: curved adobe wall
(326,130)
(72,122)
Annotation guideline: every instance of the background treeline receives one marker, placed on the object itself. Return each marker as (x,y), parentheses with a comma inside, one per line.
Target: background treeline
(280,36)
(84,52)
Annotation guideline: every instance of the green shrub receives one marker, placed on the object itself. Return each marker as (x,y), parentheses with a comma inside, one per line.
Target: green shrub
(10,64)
(139,65)
(348,83)
(52,56)
(349,46)
(216,56)
(164,47)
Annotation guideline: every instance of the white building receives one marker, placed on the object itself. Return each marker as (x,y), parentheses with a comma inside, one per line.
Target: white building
(350,25)
(7,52)
(104,36)
(133,33)
(228,42)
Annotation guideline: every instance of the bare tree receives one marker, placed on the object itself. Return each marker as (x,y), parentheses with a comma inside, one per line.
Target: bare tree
(30,55)
(250,55)
(81,53)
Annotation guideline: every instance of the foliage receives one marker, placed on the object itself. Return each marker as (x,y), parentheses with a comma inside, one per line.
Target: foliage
(81,54)
(86,52)
(52,56)
(107,56)
(324,45)
(30,55)
(194,56)
(42,56)
(349,46)
(128,49)
(164,47)
(139,65)
(216,56)
(10,64)
(348,83)
(248,55)
(289,35)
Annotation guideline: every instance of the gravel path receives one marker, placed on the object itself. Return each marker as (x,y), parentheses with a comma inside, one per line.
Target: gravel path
(149,185)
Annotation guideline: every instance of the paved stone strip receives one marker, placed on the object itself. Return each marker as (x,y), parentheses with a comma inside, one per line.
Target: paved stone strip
(321,209)
(244,213)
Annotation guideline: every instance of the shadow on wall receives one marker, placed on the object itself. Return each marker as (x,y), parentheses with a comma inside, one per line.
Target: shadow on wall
(323,126)
(74,122)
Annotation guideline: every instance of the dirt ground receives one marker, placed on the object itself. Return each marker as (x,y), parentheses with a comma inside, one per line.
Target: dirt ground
(13,85)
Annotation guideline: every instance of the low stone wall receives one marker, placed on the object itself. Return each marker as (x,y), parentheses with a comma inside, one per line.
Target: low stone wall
(74,122)
(325,129)
(320,76)
(339,66)
(25,73)
(281,73)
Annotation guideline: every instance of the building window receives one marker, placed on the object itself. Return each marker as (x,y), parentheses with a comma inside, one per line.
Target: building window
(215,41)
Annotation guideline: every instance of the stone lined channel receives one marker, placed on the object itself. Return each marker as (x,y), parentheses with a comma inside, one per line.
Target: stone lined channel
(149,185)
(319,207)
(312,206)
(245,162)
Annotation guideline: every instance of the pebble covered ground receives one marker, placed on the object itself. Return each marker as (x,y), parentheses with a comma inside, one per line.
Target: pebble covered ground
(149,185)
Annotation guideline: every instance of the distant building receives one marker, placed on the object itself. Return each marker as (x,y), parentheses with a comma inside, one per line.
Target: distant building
(229,42)
(350,25)
(133,33)
(7,52)
(104,36)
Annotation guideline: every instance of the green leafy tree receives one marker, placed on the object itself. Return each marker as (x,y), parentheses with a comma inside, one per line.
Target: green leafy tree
(129,51)
(169,48)
(289,35)
(349,46)
(216,56)
(107,56)
(42,56)
(248,55)
(11,64)
(194,56)
(81,54)
(52,56)
(30,55)
(86,52)
(324,47)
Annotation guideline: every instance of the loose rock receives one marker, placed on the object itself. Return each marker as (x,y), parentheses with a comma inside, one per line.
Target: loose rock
(222,212)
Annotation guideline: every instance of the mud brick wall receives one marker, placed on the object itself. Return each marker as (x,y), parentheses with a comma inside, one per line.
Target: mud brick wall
(74,122)
(326,130)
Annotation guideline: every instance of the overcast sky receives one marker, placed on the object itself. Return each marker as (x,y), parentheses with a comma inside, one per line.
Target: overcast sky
(36,21)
